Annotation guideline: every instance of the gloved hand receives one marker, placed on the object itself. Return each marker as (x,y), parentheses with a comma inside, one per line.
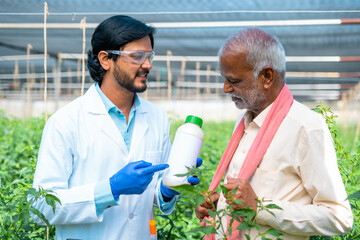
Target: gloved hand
(193,180)
(134,178)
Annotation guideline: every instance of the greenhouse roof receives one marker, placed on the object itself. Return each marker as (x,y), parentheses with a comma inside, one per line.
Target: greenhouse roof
(321,38)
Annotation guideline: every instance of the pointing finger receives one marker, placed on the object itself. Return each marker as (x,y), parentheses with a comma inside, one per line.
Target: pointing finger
(141,164)
(155,168)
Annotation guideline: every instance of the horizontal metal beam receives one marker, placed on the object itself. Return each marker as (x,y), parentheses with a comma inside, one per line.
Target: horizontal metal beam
(190,73)
(163,58)
(267,23)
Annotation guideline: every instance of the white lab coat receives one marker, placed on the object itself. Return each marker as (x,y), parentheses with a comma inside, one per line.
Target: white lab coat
(81,146)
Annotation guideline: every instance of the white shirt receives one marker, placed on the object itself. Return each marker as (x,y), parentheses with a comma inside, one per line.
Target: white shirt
(299,173)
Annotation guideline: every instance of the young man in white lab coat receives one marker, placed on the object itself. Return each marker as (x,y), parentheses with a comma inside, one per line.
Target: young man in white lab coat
(103,154)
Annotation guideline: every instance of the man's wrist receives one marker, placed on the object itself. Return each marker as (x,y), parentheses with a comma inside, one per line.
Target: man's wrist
(167,193)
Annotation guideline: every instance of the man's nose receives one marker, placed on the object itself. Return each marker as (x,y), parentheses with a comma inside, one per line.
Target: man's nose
(146,64)
(227,87)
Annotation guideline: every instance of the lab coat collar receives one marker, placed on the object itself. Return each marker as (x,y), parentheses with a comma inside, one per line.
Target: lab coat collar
(95,106)
(93,101)
(140,129)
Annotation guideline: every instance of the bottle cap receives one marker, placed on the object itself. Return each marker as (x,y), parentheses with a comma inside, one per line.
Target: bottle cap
(152,225)
(194,120)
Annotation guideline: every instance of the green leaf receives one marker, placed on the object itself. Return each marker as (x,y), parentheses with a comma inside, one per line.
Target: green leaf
(245,213)
(199,199)
(235,217)
(273,206)
(317,109)
(207,230)
(207,221)
(355,195)
(185,189)
(244,226)
(51,201)
(40,215)
(270,212)
(182,174)
(239,202)
(31,191)
(273,232)
(233,191)
(224,190)
(230,230)
(212,214)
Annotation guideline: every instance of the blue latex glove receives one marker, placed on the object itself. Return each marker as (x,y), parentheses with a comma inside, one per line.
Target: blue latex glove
(134,178)
(169,193)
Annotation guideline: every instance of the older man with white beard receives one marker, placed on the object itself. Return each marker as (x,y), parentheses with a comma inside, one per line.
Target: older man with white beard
(280,150)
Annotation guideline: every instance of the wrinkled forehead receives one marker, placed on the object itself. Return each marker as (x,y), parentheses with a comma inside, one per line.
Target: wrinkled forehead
(233,61)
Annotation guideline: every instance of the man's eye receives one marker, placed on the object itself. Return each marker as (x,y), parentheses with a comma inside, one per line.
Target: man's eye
(233,81)
(136,56)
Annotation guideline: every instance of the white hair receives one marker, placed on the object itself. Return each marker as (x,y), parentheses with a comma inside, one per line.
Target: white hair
(262,50)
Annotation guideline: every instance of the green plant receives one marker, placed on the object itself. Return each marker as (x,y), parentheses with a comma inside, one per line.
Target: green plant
(20,139)
(178,225)
(15,220)
(18,150)
(246,216)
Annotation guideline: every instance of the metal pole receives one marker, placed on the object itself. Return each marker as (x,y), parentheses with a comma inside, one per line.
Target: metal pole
(168,53)
(46,12)
(28,85)
(83,26)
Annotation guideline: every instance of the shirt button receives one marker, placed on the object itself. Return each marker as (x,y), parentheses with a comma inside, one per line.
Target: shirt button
(118,111)
(244,151)
(131,215)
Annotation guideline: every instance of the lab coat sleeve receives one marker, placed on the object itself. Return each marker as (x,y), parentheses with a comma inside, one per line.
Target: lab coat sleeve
(165,207)
(330,212)
(103,196)
(53,170)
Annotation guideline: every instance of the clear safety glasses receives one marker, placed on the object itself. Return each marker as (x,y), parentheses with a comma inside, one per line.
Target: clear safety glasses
(135,57)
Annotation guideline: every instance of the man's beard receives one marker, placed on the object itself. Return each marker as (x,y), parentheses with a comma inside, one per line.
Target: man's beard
(252,100)
(125,81)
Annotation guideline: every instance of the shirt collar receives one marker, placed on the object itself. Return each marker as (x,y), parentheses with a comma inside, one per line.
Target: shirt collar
(136,104)
(259,118)
(109,105)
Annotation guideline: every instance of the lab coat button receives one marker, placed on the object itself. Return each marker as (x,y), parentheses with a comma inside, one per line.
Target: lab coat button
(131,215)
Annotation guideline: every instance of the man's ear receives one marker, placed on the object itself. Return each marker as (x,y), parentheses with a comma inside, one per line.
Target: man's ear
(267,77)
(104,60)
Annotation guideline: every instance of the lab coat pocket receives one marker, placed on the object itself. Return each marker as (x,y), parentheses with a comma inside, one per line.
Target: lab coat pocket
(154,158)
(264,182)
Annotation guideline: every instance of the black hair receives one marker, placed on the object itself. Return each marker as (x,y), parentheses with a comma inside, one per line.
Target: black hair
(113,34)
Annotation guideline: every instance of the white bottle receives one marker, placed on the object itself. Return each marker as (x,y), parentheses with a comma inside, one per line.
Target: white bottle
(184,151)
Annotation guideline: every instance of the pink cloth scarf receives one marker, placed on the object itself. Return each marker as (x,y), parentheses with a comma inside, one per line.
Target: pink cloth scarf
(272,122)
